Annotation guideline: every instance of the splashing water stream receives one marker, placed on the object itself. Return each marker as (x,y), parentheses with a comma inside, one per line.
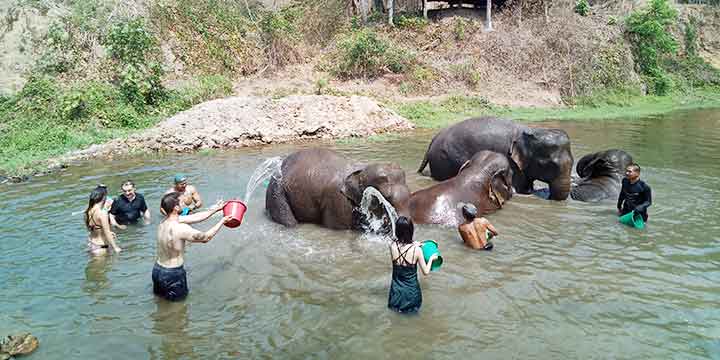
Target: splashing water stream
(270,167)
(376,224)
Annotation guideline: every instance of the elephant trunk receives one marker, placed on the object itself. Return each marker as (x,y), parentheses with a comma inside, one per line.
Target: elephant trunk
(560,188)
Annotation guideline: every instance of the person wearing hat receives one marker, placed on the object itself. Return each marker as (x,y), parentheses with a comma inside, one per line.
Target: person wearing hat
(476,232)
(189,197)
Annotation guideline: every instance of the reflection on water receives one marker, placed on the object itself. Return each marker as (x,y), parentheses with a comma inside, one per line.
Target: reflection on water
(565,280)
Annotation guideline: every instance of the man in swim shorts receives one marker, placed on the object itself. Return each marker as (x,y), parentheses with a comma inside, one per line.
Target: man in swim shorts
(635,194)
(189,197)
(476,232)
(129,207)
(168,275)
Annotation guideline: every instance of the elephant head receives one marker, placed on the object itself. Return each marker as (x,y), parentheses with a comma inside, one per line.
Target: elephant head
(604,163)
(544,154)
(495,167)
(388,179)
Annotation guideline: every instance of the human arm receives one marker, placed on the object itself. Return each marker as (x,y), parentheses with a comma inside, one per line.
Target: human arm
(203,237)
(197,201)
(490,227)
(114,222)
(420,259)
(201,216)
(647,195)
(145,212)
(109,235)
(621,197)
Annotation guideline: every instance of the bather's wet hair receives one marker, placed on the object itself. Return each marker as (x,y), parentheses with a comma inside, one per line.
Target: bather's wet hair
(634,166)
(404,230)
(469,211)
(98,195)
(169,202)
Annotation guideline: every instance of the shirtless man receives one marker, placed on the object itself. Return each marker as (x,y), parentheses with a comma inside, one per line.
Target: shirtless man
(168,275)
(476,232)
(189,197)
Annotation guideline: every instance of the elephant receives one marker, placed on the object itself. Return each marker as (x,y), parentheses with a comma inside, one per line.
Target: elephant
(535,153)
(600,175)
(320,186)
(484,181)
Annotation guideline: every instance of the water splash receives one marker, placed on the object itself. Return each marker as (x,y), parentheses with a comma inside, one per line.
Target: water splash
(373,223)
(270,167)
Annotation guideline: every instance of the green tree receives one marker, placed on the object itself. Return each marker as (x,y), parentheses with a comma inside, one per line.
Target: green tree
(649,32)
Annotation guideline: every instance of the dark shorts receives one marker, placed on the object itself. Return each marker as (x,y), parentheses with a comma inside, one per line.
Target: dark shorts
(170,283)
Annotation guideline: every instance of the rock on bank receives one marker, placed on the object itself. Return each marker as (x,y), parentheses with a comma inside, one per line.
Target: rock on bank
(248,120)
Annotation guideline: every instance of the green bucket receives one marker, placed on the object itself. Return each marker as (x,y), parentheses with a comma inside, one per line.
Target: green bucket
(633,219)
(429,248)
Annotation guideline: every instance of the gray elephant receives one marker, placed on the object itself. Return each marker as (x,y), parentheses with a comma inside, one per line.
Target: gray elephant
(484,181)
(600,175)
(320,186)
(535,153)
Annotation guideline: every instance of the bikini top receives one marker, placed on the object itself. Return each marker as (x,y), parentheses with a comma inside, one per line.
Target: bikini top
(92,225)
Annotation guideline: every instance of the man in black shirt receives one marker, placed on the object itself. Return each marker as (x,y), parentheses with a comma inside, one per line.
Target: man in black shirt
(129,207)
(635,193)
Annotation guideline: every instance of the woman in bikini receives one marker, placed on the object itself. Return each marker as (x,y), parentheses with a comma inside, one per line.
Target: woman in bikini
(405,295)
(97,222)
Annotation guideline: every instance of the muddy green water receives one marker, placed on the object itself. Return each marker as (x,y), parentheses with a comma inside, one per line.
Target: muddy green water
(565,280)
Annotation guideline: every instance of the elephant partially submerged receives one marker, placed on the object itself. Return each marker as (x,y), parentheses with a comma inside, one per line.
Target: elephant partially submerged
(600,175)
(320,186)
(484,181)
(535,153)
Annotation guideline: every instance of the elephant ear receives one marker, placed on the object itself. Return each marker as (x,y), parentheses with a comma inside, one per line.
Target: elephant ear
(516,153)
(353,186)
(493,194)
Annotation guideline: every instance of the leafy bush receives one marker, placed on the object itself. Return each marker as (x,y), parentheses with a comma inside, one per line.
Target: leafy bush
(649,32)
(280,35)
(582,7)
(459,28)
(411,22)
(364,54)
(129,41)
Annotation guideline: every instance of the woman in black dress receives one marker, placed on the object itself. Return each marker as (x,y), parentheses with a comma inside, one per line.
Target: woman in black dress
(406,254)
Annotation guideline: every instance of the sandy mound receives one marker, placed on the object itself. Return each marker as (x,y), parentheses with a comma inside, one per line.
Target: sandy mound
(248,120)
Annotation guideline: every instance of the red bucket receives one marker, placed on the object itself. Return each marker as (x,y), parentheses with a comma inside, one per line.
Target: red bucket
(235,209)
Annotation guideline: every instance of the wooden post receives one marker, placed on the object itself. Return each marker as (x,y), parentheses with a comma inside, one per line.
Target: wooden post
(488,16)
(391,7)
(425,9)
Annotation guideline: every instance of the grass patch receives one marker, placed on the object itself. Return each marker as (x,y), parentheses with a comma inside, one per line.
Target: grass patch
(47,119)
(438,114)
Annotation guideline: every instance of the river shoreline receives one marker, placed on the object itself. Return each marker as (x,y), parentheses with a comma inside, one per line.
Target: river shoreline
(393,118)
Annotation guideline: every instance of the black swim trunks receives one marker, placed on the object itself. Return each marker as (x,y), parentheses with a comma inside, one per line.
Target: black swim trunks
(170,283)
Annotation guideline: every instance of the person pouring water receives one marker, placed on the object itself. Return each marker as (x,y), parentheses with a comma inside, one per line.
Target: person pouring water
(405,295)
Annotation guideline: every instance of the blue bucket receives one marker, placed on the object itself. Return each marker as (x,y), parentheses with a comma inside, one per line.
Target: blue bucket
(430,248)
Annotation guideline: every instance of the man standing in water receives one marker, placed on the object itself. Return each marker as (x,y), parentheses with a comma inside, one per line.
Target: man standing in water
(476,232)
(189,197)
(129,207)
(635,193)
(168,275)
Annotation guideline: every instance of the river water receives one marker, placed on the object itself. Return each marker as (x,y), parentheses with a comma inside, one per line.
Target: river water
(565,280)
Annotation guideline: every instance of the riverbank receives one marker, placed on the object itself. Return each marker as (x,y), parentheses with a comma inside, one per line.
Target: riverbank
(250,121)
(438,113)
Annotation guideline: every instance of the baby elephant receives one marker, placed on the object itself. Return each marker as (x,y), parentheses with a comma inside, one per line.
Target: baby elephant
(484,181)
(600,175)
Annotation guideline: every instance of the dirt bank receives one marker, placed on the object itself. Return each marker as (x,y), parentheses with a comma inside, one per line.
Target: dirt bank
(241,121)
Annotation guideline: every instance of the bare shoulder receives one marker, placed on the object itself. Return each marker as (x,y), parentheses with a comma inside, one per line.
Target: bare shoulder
(483,221)
(191,189)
